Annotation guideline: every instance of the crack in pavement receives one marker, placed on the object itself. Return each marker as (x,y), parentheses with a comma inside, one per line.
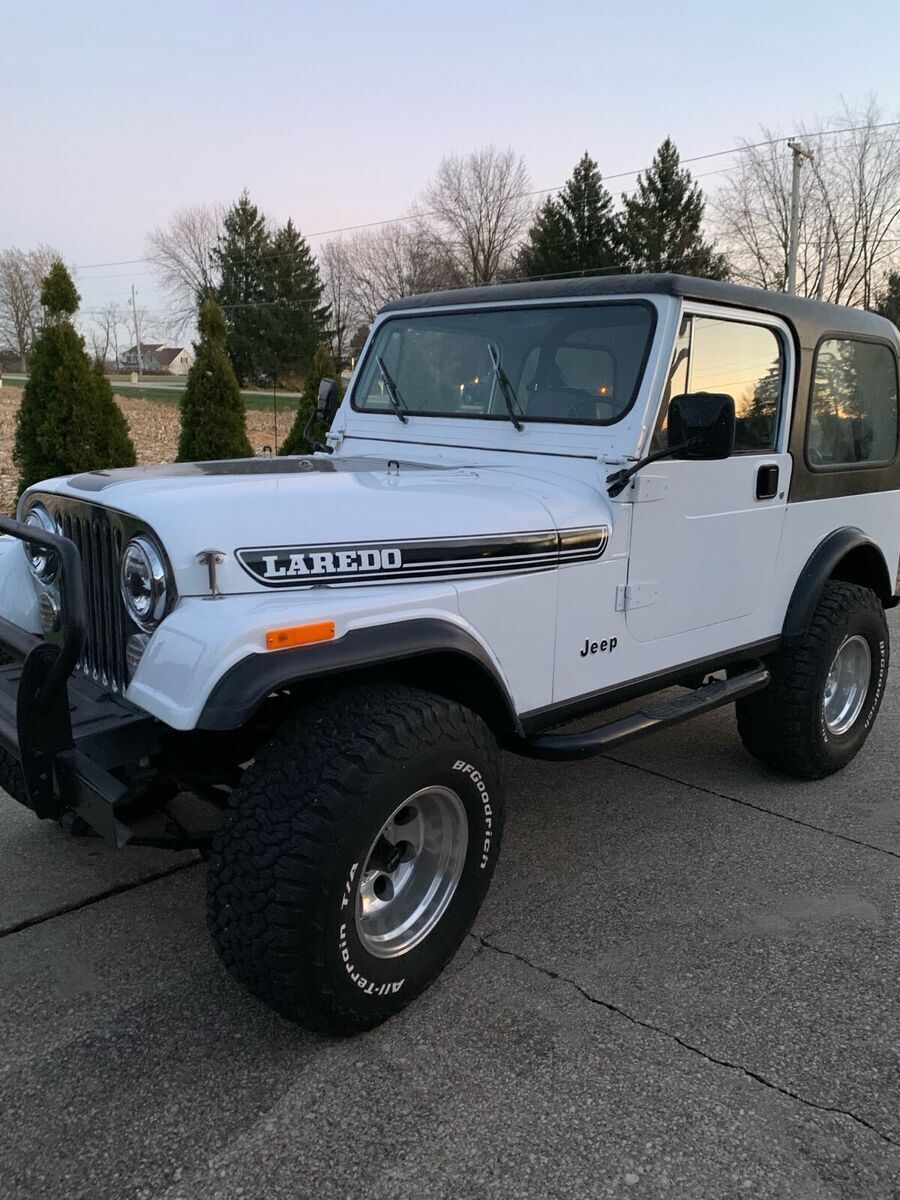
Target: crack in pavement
(779,816)
(680,1041)
(76,905)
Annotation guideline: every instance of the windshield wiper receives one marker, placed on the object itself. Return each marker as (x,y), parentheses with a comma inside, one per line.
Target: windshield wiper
(391,388)
(512,404)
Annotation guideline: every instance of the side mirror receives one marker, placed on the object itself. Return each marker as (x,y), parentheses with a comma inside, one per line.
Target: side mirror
(327,401)
(701,425)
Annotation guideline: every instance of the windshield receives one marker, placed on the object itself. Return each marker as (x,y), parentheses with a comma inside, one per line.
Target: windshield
(555,363)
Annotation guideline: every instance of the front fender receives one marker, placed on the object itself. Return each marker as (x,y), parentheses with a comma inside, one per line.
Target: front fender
(241,691)
(207,666)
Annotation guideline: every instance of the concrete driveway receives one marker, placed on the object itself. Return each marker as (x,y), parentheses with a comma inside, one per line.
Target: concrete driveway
(684,984)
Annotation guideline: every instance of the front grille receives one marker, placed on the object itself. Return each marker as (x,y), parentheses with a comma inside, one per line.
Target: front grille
(100,546)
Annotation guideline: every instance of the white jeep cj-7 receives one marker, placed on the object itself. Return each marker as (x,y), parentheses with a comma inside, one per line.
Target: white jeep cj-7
(536,501)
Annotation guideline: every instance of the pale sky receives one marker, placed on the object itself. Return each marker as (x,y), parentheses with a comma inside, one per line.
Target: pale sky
(337,113)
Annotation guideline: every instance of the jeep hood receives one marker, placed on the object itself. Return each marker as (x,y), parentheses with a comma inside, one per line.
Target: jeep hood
(268,516)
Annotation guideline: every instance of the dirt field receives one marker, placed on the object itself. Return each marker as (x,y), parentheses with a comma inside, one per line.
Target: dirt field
(153,427)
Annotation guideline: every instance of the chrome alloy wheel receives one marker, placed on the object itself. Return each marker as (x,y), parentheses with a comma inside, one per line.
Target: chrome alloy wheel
(411,872)
(848,684)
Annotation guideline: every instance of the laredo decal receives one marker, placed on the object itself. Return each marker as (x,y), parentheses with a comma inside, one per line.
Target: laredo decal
(327,562)
(442,558)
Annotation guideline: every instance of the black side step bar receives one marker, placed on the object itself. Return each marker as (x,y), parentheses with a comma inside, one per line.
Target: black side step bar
(655,716)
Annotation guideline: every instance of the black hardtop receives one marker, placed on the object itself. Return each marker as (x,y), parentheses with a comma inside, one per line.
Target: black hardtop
(809,318)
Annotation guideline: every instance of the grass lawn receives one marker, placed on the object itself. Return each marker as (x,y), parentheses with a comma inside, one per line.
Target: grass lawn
(256,400)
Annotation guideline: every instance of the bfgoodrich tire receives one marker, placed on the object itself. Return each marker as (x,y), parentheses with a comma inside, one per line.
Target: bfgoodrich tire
(355,855)
(826,691)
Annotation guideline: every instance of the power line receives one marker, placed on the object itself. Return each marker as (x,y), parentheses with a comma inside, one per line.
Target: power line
(130,275)
(585,272)
(126,262)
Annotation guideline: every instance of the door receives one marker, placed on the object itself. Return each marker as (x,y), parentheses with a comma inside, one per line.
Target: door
(705,535)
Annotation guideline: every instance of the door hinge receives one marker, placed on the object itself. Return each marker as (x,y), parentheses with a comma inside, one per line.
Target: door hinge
(635,595)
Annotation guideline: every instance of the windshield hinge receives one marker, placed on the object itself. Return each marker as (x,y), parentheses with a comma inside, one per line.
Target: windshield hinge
(646,487)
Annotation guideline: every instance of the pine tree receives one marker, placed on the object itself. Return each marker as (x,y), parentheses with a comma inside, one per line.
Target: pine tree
(271,295)
(574,233)
(243,256)
(662,221)
(68,420)
(322,368)
(213,421)
(888,303)
(298,318)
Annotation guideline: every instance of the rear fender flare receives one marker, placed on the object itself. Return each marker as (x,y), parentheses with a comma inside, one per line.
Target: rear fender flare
(847,547)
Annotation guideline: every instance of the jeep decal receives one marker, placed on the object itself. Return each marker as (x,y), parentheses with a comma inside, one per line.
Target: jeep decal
(375,562)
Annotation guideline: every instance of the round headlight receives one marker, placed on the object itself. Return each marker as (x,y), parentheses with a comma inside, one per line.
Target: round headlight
(44,563)
(143,579)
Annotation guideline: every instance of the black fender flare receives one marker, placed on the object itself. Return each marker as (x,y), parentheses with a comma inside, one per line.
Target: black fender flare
(243,688)
(820,567)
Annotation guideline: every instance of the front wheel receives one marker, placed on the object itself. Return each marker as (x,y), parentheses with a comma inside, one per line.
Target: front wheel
(356,854)
(826,691)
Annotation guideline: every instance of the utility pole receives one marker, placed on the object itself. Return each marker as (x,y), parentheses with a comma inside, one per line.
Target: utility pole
(137,336)
(799,152)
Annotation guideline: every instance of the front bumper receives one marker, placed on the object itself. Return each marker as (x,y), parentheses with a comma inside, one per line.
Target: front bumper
(77,746)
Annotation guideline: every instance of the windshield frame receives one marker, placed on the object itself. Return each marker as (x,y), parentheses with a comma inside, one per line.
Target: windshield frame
(503,417)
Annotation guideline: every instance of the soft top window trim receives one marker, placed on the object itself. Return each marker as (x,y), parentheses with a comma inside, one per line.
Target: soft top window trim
(530,305)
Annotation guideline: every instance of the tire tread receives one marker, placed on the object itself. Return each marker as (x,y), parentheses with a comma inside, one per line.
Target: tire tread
(779,725)
(284,824)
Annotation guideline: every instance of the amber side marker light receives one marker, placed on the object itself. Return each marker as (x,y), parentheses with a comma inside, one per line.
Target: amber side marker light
(300,635)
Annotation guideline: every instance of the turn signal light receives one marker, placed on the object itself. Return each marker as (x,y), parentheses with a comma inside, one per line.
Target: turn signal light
(300,635)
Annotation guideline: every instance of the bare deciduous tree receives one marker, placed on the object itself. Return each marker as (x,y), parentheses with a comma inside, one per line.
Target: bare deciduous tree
(480,207)
(336,266)
(849,209)
(21,275)
(397,260)
(181,251)
(106,326)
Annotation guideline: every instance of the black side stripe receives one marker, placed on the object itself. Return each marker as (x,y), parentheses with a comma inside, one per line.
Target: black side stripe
(349,563)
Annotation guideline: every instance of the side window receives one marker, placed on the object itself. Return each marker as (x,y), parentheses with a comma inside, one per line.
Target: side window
(745,362)
(853,408)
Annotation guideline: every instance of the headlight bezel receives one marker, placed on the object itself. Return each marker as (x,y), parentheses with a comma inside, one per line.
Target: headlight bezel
(143,552)
(38,515)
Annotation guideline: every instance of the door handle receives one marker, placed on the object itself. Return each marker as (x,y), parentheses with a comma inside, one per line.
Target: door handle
(767,481)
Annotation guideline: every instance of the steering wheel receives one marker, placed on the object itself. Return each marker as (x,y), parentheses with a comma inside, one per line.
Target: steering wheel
(585,405)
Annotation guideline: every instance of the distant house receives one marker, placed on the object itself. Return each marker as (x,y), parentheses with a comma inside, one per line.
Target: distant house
(156,356)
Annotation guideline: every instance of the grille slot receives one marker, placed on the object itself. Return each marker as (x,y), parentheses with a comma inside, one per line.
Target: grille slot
(100,546)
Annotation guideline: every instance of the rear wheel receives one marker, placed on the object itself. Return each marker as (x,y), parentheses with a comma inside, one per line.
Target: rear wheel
(826,690)
(356,854)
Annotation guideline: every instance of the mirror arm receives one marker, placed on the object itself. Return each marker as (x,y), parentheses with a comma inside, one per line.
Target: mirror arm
(307,436)
(619,480)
